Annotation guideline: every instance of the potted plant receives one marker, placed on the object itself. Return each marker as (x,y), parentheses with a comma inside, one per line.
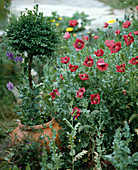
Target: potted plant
(31,36)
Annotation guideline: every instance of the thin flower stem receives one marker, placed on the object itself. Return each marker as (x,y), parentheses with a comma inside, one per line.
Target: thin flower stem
(29,72)
(72,142)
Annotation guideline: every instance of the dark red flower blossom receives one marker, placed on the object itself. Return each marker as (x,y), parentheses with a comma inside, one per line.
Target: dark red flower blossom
(96,37)
(76,112)
(109,43)
(121,68)
(115,47)
(105,25)
(99,52)
(65,60)
(126,24)
(80,92)
(117,32)
(61,76)
(136,32)
(73,68)
(79,44)
(54,93)
(101,65)
(86,38)
(84,76)
(128,39)
(133,61)
(88,61)
(73,23)
(95,98)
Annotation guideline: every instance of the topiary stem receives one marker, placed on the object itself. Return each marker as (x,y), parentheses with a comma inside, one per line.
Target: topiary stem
(29,71)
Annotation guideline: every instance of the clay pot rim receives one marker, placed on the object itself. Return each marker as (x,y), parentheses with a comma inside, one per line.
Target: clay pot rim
(45,125)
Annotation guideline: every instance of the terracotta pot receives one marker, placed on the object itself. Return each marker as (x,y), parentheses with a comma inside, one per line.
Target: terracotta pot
(34,133)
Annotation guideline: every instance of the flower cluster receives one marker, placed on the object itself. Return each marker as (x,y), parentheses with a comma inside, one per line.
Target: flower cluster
(79,93)
(11,57)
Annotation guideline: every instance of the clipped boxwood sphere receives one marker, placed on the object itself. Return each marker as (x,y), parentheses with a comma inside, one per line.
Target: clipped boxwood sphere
(32,33)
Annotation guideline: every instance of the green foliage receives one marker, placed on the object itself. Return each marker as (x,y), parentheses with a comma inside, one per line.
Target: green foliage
(55,162)
(120,157)
(2,134)
(27,167)
(26,154)
(30,110)
(32,33)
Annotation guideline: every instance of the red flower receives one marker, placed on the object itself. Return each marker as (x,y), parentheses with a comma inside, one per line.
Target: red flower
(105,25)
(76,112)
(67,35)
(121,68)
(73,68)
(126,24)
(96,37)
(99,52)
(79,44)
(61,76)
(128,39)
(86,38)
(136,32)
(73,23)
(101,65)
(84,76)
(115,47)
(137,7)
(117,32)
(80,92)
(65,60)
(88,61)
(95,98)
(133,61)
(109,43)
(54,93)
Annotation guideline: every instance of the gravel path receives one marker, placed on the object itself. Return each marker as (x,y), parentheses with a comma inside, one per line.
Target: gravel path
(95,9)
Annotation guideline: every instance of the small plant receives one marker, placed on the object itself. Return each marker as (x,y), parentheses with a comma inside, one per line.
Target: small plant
(26,152)
(33,34)
(55,162)
(120,157)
